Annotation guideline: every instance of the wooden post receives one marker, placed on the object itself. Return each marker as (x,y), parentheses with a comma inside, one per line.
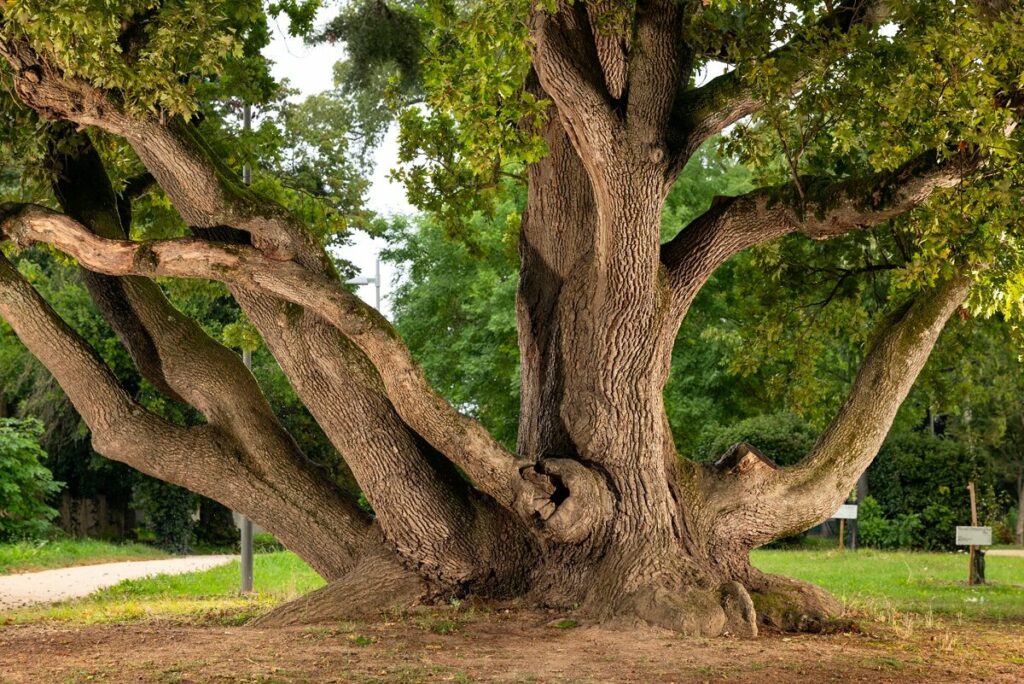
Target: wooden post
(842,532)
(976,574)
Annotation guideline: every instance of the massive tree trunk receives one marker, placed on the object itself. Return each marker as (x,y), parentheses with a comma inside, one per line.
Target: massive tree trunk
(595,509)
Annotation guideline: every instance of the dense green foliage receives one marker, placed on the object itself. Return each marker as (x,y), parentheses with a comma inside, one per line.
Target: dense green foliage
(168,511)
(783,437)
(920,475)
(876,531)
(456,310)
(25,483)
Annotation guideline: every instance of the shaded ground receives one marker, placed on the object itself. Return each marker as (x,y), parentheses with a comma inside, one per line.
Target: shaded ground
(57,585)
(466,645)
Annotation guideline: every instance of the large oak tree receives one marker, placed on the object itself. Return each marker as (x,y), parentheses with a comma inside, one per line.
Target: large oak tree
(856,113)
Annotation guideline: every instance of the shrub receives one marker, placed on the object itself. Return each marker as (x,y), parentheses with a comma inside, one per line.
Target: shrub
(875,530)
(169,512)
(25,483)
(922,475)
(783,437)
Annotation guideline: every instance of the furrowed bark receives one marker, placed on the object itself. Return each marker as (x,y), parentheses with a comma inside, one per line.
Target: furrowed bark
(204,459)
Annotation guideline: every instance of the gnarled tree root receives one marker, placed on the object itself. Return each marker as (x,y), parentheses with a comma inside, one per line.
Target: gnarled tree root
(376,584)
(790,605)
(726,610)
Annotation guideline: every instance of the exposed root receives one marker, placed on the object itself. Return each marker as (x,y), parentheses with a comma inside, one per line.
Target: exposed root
(793,606)
(693,611)
(376,584)
(740,615)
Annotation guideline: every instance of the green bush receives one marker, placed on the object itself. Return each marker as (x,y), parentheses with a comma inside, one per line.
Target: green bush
(875,530)
(25,483)
(922,475)
(169,514)
(783,437)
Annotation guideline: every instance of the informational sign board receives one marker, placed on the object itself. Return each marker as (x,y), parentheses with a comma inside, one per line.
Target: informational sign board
(846,512)
(973,536)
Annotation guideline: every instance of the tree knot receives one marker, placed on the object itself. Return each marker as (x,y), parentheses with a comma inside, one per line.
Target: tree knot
(564,499)
(742,459)
(32,73)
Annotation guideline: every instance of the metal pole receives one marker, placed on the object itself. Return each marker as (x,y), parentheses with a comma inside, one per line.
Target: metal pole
(246,523)
(376,281)
(246,542)
(247,126)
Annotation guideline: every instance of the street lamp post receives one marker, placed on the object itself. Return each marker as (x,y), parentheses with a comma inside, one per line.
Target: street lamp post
(246,523)
(363,280)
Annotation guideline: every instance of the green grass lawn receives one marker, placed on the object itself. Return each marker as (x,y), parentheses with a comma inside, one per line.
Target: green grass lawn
(62,553)
(876,581)
(210,594)
(907,581)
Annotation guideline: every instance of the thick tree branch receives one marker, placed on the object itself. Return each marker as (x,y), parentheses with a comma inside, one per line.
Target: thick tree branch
(205,192)
(462,439)
(733,224)
(759,505)
(569,69)
(656,68)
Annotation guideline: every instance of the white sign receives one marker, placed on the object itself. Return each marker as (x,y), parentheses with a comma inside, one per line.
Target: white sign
(973,536)
(846,512)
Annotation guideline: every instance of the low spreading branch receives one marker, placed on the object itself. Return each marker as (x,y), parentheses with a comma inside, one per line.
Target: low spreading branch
(770,503)
(204,459)
(492,468)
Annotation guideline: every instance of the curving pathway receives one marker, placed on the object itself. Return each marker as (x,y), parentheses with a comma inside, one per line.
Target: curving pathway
(50,586)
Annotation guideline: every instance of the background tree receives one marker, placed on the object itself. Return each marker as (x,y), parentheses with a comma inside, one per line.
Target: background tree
(599,103)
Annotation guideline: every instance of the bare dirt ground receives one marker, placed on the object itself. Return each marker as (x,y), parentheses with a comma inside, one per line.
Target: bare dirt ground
(517,646)
(50,586)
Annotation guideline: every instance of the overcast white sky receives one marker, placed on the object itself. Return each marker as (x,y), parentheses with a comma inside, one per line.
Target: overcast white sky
(309,69)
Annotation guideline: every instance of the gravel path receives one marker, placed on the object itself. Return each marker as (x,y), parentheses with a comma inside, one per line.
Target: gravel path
(50,586)
(1017,553)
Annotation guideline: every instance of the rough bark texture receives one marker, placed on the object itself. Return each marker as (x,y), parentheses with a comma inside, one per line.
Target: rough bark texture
(595,509)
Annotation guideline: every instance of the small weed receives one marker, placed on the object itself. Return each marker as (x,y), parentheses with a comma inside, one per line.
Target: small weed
(360,640)
(444,626)
(566,623)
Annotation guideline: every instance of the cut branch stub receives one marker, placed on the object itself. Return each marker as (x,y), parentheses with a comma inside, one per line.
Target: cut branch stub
(743,458)
(565,499)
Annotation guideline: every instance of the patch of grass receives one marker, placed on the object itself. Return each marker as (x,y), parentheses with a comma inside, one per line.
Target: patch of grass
(567,623)
(881,581)
(210,595)
(30,556)
(360,640)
